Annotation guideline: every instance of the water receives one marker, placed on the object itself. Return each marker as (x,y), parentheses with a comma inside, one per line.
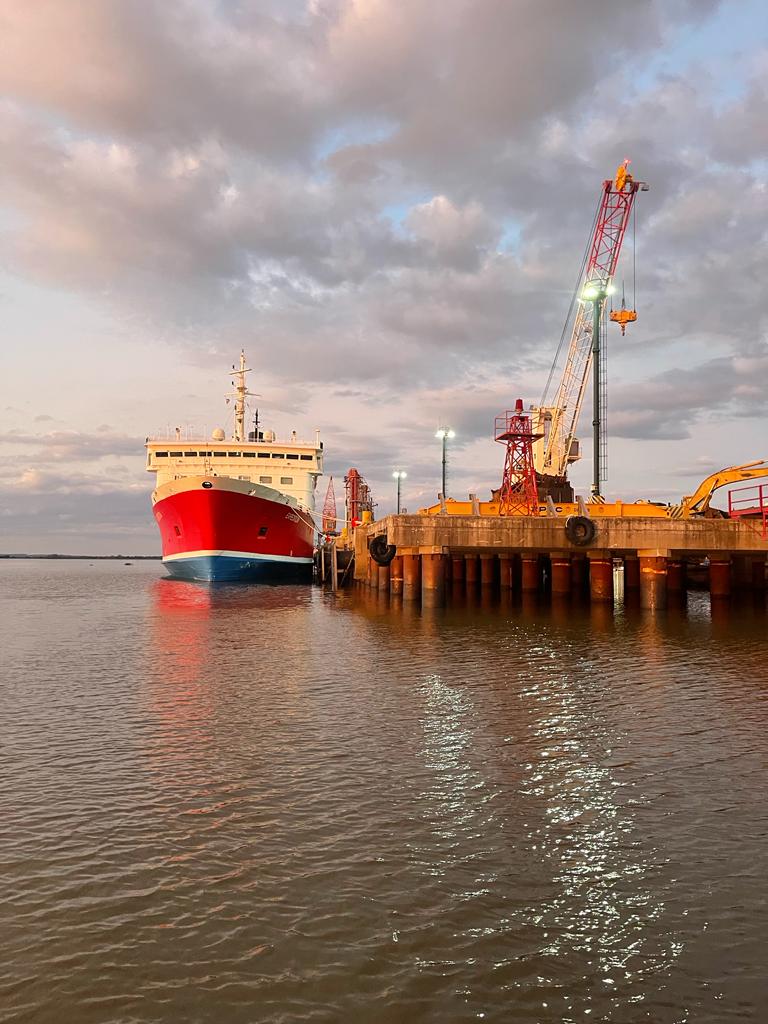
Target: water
(245,805)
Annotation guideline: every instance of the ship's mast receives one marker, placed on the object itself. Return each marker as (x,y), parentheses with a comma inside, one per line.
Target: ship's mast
(241,393)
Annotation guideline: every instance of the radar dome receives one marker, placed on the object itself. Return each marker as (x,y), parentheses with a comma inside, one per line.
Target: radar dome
(218,434)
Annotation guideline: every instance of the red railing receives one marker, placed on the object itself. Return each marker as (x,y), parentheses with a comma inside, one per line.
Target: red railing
(750,501)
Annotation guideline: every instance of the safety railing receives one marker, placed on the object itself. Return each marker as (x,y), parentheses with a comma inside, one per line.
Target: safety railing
(750,501)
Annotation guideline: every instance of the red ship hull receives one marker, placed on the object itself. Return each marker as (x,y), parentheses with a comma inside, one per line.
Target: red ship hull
(223,529)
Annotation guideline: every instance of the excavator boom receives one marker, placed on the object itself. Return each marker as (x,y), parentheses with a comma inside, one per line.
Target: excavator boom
(696,504)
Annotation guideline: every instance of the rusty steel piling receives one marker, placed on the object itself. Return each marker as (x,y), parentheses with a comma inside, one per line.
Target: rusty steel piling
(439,558)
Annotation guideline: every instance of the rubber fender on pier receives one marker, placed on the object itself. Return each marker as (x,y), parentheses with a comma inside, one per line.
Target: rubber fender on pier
(381,552)
(579,530)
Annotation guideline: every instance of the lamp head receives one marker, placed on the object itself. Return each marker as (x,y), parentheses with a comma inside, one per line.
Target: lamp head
(595,291)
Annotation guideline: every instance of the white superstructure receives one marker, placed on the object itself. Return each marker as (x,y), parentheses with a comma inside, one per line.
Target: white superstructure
(291,466)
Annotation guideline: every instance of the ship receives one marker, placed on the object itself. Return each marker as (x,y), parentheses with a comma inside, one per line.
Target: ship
(236,509)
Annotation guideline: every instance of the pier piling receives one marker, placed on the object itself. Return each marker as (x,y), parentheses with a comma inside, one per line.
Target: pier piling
(600,576)
(454,554)
(411,577)
(631,574)
(505,572)
(529,577)
(383,577)
(396,574)
(675,576)
(432,579)
(758,575)
(720,577)
(471,571)
(560,562)
(653,581)
(487,570)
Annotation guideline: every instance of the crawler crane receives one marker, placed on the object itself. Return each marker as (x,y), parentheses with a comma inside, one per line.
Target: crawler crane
(557,421)
(551,430)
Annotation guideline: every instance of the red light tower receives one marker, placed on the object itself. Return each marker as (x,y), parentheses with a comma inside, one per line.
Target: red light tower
(358,497)
(329,510)
(518,495)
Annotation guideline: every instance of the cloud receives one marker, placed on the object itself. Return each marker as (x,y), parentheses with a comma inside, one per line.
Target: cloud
(77,521)
(667,405)
(390,199)
(171,73)
(72,445)
(458,235)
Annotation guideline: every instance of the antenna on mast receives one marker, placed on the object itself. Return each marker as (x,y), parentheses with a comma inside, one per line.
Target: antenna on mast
(241,393)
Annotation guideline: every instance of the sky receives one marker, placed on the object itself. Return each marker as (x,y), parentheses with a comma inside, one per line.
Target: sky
(386,205)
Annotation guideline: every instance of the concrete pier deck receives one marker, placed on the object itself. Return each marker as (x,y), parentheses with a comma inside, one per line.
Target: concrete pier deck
(530,553)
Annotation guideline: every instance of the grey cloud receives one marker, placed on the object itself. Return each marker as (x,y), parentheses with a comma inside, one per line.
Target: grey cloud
(77,522)
(75,445)
(667,405)
(180,71)
(387,198)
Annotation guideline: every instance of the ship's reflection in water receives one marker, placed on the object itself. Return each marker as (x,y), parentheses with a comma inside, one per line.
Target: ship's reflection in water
(193,631)
(273,804)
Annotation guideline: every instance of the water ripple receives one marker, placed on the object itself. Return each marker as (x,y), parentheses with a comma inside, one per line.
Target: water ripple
(269,804)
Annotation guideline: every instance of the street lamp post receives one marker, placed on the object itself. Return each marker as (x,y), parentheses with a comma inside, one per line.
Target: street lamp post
(596,292)
(399,474)
(444,433)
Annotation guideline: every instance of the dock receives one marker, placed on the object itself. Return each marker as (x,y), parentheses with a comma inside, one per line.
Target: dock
(437,555)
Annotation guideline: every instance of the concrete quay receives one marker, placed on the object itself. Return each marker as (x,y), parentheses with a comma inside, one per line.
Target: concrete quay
(440,553)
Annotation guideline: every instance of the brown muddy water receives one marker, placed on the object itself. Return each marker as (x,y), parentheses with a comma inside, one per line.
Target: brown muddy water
(244,804)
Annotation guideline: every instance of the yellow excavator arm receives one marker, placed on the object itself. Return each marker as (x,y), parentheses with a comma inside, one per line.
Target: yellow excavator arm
(696,504)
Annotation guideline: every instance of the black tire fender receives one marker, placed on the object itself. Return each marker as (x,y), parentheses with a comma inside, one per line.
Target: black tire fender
(580,530)
(381,552)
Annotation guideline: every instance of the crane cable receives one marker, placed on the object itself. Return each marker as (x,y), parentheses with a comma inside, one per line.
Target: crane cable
(574,297)
(634,256)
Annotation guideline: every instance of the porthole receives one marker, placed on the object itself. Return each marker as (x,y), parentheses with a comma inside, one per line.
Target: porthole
(207,483)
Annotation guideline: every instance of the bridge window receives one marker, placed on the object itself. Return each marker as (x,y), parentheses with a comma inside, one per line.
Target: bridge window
(265,479)
(190,455)
(249,455)
(290,456)
(234,455)
(161,455)
(278,455)
(286,479)
(176,455)
(306,458)
(263,455)
(219,455)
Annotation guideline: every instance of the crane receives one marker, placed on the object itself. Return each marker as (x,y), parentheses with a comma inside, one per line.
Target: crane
(557,422)
(697,504)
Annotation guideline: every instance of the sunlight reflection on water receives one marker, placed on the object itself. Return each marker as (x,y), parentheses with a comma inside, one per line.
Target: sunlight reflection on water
(271,804)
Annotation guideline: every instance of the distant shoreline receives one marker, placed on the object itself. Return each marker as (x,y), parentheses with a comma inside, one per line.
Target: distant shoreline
(93,558)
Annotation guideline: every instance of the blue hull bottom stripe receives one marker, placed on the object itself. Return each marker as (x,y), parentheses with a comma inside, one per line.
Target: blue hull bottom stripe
(229,569)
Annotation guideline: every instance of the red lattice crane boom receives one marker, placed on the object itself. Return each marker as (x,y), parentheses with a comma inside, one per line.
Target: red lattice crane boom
(557,419)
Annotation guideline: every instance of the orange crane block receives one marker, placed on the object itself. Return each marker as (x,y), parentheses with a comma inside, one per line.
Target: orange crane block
(622,317)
